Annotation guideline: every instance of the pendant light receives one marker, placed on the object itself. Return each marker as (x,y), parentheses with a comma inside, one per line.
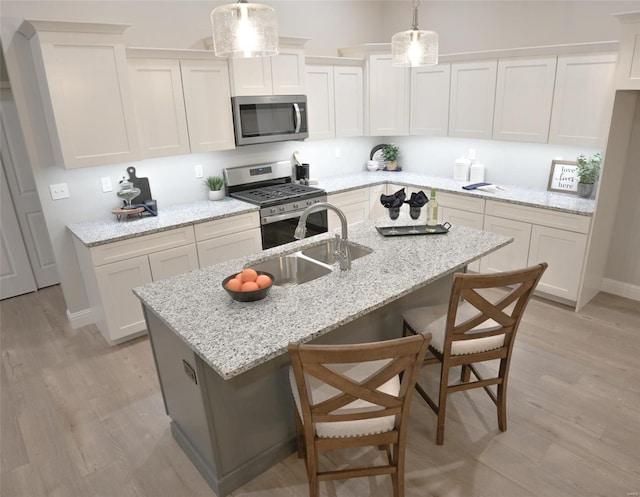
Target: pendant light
(415,47)
(244,30)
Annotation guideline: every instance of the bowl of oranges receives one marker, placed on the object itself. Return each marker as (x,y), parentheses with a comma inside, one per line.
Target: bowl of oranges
(248,285)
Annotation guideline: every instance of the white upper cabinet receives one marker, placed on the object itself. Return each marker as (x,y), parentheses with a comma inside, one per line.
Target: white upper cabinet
(82,75)
(430,100)
(524,94)
(207,101)
(628,72)
(349,100)
(282,74)
(583,99)
(159,106)
(389,97)
(473,86)
(320,102)
(335,99)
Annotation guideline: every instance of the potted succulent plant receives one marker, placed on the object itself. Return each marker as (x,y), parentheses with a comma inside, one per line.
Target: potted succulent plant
(215,184)
(390,153)
(588,172)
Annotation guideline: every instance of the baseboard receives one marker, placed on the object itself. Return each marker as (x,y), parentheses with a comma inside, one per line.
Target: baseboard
(81,318)
(621,289)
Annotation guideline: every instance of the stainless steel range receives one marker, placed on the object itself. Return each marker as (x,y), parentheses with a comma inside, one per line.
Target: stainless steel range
(281,202)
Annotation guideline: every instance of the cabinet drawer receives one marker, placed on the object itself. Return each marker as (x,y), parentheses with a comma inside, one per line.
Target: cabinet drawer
(227,225)
(350,197)
(462,202)
(141,245)
(227,247)
(172,262)
(542,217)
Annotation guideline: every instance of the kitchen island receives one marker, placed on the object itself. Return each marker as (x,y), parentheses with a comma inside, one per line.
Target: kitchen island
(223,365)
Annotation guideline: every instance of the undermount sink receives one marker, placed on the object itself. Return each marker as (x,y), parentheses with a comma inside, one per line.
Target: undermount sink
(326,252)
(289,270)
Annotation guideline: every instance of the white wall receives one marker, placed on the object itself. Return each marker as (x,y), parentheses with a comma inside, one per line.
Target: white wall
(463,26)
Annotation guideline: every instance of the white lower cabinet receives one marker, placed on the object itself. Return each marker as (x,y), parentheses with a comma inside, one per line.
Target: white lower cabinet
(122,311)
(564,252)
(513,256)
(112,270)
(228,238)
(461,210)
(376,210)
(354,204)
(227,247)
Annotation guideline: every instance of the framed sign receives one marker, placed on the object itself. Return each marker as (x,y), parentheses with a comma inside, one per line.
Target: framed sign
(563,176)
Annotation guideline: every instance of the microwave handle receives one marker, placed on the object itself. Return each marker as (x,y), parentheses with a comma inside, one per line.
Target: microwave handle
(298,119)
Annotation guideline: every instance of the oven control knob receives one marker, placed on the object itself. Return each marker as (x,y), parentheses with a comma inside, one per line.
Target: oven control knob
(295,206)
(272,210)
(309,202)
(281,209)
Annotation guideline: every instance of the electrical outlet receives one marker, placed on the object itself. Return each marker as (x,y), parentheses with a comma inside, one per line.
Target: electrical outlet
(58,191)
(199,173)
(338,153)
(106,184)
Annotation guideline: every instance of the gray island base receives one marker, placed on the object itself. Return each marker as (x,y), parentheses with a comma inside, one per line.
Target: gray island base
(223,365)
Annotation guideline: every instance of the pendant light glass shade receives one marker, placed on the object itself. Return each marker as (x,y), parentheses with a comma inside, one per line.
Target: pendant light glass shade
(414,48)
(244,30)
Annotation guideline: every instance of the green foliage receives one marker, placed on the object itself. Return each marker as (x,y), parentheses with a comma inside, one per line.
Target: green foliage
(589,168)
(390,152)
(214,183)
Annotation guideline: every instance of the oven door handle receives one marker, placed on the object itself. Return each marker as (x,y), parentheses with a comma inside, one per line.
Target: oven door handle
(298,119)
(280,217)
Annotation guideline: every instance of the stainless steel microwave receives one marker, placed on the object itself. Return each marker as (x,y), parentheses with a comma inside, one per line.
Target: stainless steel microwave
(265,119)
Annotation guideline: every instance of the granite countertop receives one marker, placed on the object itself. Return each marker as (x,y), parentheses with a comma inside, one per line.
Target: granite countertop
(531,197)
(107,230)
(233,337)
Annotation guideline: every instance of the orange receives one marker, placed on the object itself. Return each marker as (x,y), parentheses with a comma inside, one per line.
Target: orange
(263,281)
(234,284)
(249,286)
(249,275)
(239,277)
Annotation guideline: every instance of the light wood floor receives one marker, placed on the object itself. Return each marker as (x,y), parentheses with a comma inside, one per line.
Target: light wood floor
(80,418)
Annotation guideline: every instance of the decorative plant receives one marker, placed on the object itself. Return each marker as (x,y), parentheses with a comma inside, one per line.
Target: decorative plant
(214,183)
(589,168)
(390,152)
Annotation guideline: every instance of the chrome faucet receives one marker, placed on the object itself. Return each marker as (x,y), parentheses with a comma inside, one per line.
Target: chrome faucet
(342,250)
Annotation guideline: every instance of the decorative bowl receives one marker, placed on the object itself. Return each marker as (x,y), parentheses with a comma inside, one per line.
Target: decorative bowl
(373,165)
(248,296)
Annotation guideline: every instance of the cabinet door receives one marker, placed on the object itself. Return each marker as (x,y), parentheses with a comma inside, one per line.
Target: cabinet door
(473,86)
(288,72)
(513,256)
(628,69)
(354,204)
(208,104)
(159,105)
(320,102)
(583,100)
(524,93)
(172,262)
(564,252)
(389,97)
(376,210)
(430,100)
(88,103)
(349,101)
(251,76)
(122,309)
(227,247)
(468,219)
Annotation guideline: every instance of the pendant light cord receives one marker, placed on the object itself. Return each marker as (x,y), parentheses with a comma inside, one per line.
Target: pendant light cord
(416,4)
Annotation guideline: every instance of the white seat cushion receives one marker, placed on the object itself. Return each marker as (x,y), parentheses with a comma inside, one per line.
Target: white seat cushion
(426,319)
(320,391)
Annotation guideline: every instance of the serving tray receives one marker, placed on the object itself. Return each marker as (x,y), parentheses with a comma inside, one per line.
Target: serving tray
(439,229)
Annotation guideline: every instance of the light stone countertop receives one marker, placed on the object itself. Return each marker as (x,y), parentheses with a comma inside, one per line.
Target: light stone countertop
(563,202)
(109,229)
(233,337)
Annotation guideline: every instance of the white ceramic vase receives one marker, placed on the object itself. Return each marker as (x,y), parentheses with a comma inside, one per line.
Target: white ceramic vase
(216,194)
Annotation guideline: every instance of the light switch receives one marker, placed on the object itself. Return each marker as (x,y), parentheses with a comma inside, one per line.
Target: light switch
(338,153)
(106,184)
(199,173)
(61,190)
